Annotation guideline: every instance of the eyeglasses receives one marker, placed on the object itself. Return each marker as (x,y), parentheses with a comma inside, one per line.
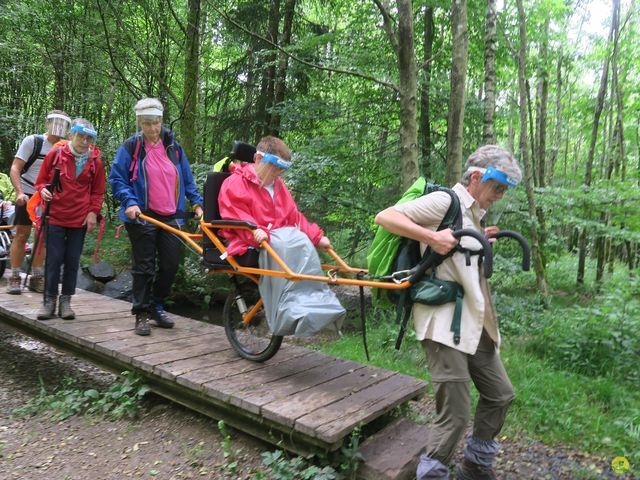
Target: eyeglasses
(500,189)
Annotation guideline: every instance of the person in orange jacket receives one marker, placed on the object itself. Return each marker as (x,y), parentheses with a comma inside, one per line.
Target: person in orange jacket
(74,210)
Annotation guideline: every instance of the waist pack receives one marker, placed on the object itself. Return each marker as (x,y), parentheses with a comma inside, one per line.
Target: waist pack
(434,291)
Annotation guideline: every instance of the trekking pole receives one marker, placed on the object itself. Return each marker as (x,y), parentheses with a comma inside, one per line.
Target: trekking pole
(53,186)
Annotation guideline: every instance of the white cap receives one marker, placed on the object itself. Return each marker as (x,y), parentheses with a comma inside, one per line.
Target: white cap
(51,116)
(149,107)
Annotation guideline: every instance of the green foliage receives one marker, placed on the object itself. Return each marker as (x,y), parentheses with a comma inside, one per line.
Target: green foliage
(121,400)
(297,468)
(230,455)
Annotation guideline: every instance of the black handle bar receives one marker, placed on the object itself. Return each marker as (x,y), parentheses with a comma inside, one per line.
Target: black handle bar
(526,251)
(435,258)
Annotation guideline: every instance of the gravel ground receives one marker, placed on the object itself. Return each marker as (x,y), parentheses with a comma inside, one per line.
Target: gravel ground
(171,442)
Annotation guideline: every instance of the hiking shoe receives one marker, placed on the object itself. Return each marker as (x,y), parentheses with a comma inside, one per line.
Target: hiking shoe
(160,317)
(472,471)
(142,324)
(15,285)
(64,308)
(48,308)
(36,283)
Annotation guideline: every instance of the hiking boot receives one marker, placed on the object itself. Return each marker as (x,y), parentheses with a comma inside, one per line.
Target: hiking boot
(36,283)
(64,308)
(160,317)
(15,285)
(472,471)
(142,324)
(48,308)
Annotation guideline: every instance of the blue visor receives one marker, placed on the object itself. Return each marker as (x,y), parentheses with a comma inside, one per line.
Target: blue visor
(81,129)
(275,160)
(492,173)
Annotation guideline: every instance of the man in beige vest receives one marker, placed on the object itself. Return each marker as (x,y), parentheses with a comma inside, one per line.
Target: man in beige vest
(490,171)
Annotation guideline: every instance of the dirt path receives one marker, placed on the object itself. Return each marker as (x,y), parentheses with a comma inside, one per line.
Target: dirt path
(168,441)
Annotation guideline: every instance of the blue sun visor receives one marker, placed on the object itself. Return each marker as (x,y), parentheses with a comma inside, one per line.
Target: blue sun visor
(81,129)
(275,160)
(492,173)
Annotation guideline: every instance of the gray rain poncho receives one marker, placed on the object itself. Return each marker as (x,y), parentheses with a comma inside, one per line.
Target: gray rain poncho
(297,308)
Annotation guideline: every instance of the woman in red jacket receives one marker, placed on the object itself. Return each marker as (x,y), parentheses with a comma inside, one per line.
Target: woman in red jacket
(256,193)
(74,210)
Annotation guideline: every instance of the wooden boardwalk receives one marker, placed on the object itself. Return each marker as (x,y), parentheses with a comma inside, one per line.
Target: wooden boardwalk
(302,400)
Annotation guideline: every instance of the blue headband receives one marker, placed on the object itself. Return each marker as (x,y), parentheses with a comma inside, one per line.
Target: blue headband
(82,129)
(275,160)
(492,173)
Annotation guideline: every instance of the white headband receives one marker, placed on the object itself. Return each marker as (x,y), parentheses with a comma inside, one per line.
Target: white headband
(150,111)
(51,116)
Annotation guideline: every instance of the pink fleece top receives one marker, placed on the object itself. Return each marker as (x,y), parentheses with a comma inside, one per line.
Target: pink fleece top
(162,178)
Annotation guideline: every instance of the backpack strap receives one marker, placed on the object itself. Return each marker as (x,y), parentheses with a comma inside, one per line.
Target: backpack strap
(38,141)
(133,166)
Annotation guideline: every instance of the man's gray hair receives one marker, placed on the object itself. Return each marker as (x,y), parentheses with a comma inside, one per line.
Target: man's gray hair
(492,156)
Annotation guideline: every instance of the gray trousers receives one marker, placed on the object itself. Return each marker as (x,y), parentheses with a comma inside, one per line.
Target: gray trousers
(451,371)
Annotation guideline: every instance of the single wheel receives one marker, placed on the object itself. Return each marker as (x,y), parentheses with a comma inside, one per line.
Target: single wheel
(253,341)
(3,267)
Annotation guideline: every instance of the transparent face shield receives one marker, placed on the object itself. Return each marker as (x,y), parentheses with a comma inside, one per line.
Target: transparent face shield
(149,125)
(501,183)
(270,167)
(58,125)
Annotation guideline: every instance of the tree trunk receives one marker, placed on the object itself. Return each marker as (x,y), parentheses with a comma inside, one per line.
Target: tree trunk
(408,94)
(402,44)
(594,137)
(425,113)
(541,117)
(281,75)
(524,155)
(557,137)
(191,73)
(489,104)
(455,119)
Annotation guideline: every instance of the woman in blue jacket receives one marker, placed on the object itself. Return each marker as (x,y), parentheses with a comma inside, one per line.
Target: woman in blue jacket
(151,175)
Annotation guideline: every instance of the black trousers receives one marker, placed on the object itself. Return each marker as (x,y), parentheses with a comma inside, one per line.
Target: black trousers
(64,247)
(151,245)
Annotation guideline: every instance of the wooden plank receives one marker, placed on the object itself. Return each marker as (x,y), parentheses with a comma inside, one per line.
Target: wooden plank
(206,344)
(159,341)
(298,382)
(173,370)
(336,420)
(287,410)
(248,382)
(103,325)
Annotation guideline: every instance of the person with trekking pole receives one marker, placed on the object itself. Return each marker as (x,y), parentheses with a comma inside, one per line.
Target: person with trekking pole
(472,353)
(151,175)
(73,210)
(24,172)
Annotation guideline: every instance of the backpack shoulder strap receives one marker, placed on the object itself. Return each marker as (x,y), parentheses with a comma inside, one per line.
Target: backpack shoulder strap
(38,141)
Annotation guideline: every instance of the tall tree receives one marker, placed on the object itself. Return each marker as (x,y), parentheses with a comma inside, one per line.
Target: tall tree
(489,102)
(425,102)
(191,74)
(524,154)
(402,43)
(455,121)
(588,176)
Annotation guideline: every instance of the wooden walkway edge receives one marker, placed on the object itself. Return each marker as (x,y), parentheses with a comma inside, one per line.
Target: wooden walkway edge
(300,400)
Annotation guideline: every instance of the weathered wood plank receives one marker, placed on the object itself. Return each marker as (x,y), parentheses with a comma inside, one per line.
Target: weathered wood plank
(288,410)
(299,382)
(336,420)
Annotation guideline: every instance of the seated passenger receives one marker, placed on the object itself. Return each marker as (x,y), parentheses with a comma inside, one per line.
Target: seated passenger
(256,193)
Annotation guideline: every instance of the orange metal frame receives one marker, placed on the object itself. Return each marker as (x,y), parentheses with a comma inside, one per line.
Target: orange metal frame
(194,240)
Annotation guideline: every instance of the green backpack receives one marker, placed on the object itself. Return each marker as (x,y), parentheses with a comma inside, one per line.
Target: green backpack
(391,253)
